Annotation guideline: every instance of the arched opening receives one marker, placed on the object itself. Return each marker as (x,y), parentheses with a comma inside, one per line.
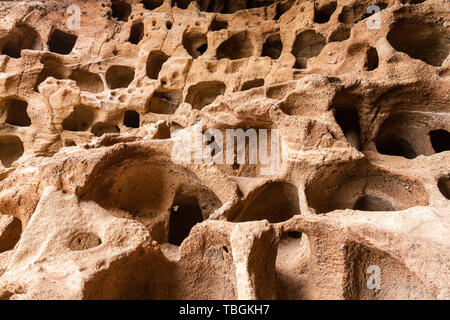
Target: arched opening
(87,81)
(165,102)
(348,119)
(131,119)
(21,37)
(184,215)
(16,113)
(136,32)
(120,10)
(425,41)
(204,93)
(322,14)
(119,76)
(236,47)
(440,140)
(397,281)
(276,202)
(152,4)
(195,43)
(398,136)
(341,33)
(11,230)
(61,42)
(154,64)
(80,119)
(272,47)
(218,24)
(363,187)
(371,59)
(395,146)
(283,7)
(11,149)
(307,44)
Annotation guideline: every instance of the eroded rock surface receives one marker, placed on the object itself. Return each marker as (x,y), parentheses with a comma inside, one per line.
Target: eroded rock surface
(95,203)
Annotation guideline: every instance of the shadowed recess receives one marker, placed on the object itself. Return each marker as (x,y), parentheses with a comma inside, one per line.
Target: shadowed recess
(11,149)
(218,24)
(131,119)
(136,32)
(396,139)
(204,93)
(154,64)
(184,214)
(11,234)
(164,102)
(348,119)
(444,186)
(53,67)
(440,140)
(341,33)
(363,187)
(87,81)
(80,119)
(152,4)
(307,44)
(238,46)
(425,41)
(195,43)
(250,84)
(373,203)
(323,13)
(21,37)
(283,7)
(61,42)
(395,146)
(119,76)
(276,202)
(120,10)
(371,59)
(101,128)
(272,47)
(16,112)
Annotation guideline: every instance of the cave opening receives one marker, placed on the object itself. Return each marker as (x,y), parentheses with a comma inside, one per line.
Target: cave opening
(395,146)
(440,140)
(16,113)
(323,13)
(184,215)
(61,42)
(136,32)
(348,119)
(120,10)
(373,203)
(131,119)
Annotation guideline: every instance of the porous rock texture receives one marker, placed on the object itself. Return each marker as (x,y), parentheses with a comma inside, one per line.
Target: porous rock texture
(92,205)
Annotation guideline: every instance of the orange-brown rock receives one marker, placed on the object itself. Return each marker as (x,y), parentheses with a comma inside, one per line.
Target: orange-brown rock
(97,202)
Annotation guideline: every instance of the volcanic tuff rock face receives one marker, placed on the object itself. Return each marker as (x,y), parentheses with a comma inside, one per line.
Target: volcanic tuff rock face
(93,204)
